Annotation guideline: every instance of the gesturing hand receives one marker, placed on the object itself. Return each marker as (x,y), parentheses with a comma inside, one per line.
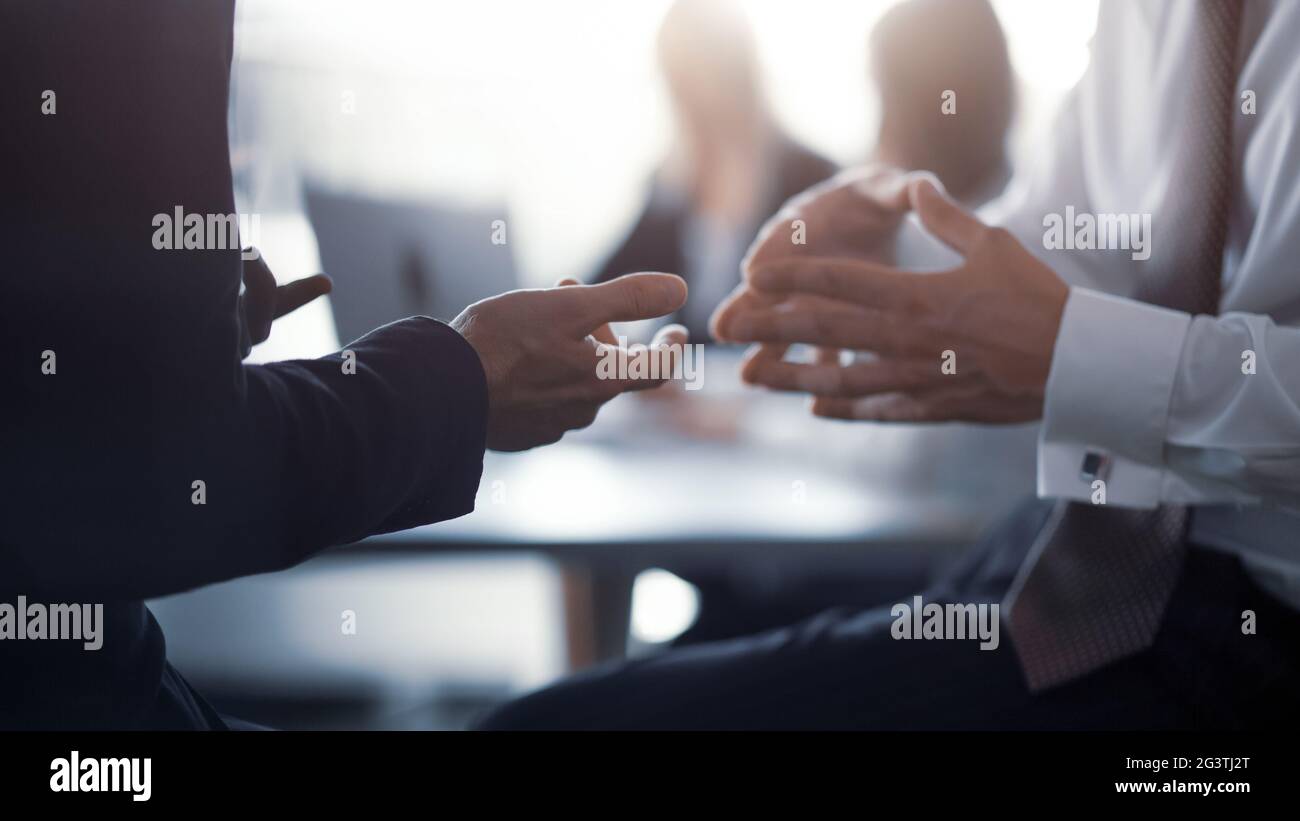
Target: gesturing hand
(263,302)
(853,215)
(998,314)
(540,350)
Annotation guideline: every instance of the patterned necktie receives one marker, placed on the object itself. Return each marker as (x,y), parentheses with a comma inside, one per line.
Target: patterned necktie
(1095,585)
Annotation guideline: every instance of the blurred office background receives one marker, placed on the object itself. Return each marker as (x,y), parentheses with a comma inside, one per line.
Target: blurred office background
(552,118)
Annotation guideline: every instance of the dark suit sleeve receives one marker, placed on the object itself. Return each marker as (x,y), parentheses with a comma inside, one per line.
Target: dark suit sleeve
(400,432)
(150,459)
(308,457)
(387,435)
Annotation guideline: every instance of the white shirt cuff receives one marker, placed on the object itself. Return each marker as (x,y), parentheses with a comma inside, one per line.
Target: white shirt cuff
(1108,393)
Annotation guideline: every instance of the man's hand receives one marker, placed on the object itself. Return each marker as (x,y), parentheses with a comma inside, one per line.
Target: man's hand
(998,314)
(540,350)
(852,215)
(263,302)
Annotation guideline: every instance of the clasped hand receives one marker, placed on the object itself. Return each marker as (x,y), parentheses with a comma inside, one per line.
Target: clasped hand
(973,343)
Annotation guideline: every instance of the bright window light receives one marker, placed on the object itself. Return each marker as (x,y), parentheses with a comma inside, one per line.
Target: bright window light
(663,606)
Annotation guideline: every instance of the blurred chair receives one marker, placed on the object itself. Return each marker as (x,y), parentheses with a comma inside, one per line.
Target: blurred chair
(391,259)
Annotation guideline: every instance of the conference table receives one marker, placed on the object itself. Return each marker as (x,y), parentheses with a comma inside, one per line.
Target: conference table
(721,477)
(537,580)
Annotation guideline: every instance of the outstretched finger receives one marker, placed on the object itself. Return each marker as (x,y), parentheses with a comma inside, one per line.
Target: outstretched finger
(639,367)
(604,333)
(628,298)
(853,380)
(867,284)
(293,295)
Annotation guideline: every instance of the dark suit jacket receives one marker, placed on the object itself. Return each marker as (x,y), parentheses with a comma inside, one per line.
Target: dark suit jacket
(150,394)
(655,242)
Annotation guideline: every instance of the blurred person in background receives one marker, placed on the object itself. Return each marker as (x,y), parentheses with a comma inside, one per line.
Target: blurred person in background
(947,94)
(730,167)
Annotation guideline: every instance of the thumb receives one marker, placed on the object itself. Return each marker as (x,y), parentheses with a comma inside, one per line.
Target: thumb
(885,187)
(259,282)
(626,299)
(958,228)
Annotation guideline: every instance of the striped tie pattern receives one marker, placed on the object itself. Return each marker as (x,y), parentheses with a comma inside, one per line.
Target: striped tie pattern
(1095,585)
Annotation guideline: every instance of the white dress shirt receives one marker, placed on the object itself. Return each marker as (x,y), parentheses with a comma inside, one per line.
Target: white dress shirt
(1160,394)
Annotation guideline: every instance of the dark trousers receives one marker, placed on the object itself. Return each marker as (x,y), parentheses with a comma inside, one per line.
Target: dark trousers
(844,670)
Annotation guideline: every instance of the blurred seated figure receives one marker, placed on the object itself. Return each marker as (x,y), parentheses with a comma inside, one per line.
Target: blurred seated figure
(947,94)
(730,168)
(712,195)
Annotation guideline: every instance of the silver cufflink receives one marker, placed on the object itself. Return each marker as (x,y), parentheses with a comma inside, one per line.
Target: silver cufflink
(1095,466)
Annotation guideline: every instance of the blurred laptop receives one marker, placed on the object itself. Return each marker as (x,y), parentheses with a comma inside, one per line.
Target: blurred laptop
(391,259)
